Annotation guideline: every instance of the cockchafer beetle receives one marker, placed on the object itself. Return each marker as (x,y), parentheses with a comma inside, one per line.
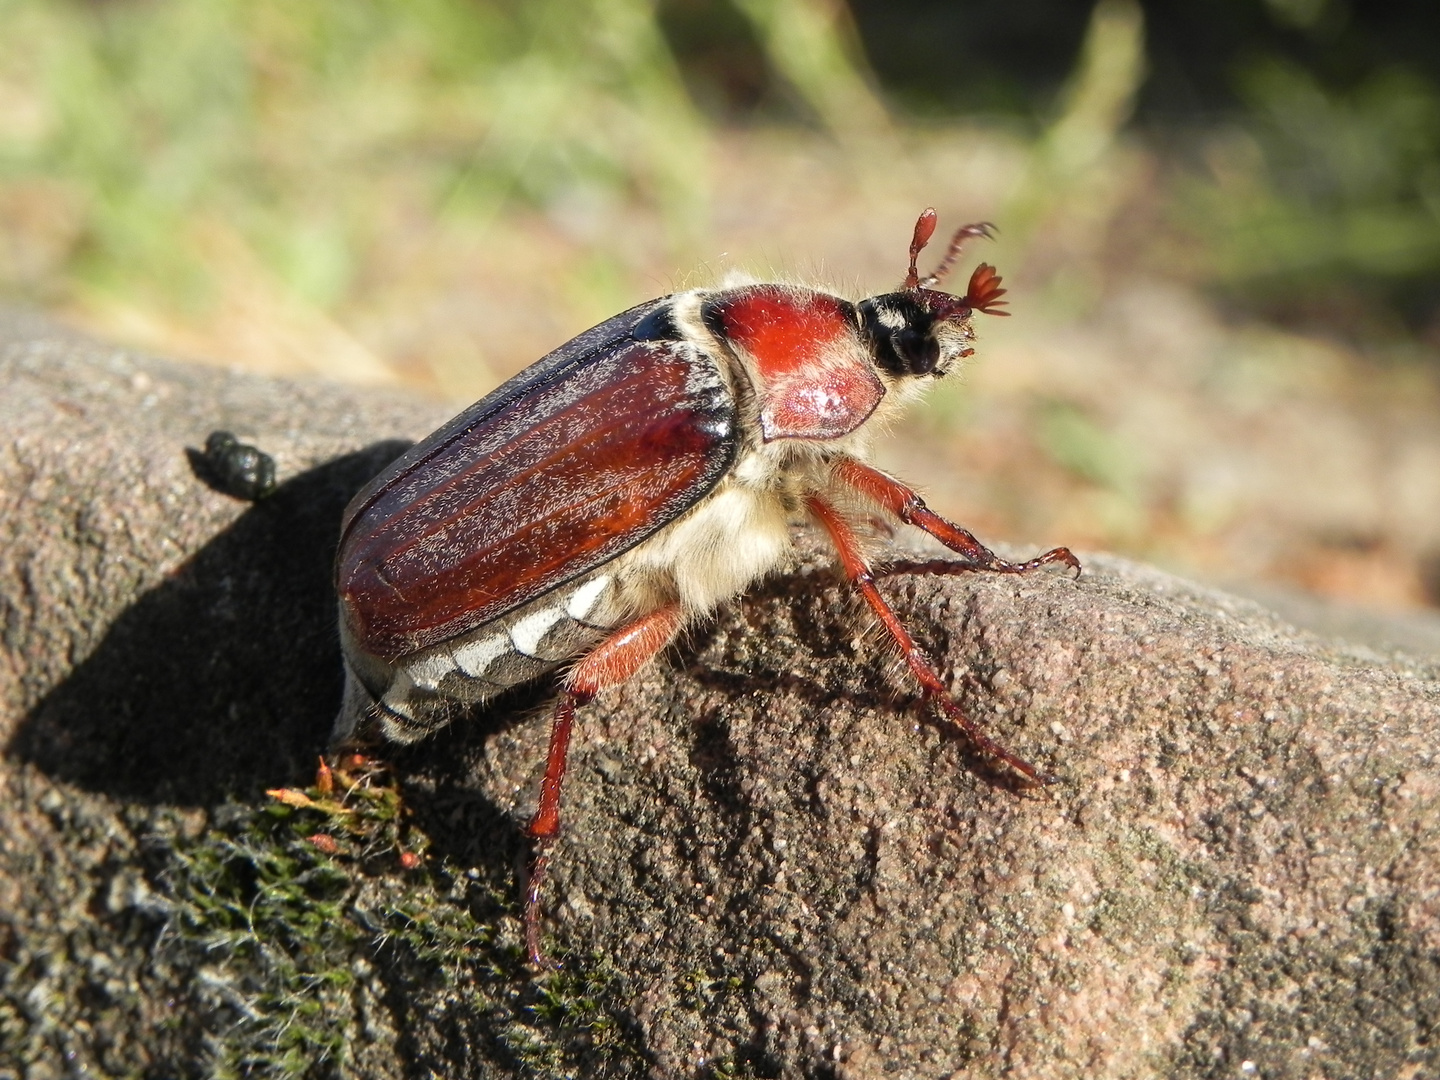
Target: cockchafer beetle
(621,487)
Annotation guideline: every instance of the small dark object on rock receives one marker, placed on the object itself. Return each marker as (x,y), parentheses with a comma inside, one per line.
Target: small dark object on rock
(235,468)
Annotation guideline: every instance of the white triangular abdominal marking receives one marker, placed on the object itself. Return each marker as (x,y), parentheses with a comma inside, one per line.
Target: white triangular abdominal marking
(583,600)
(475,657)
(528,635)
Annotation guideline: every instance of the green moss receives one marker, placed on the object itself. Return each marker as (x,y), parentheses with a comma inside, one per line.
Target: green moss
(294,912)
(271,914)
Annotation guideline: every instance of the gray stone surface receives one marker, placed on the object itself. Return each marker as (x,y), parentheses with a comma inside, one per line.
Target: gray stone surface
(774,863)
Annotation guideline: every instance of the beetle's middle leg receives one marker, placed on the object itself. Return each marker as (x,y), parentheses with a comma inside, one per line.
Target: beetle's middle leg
(857,570)
(608,664)
(911,509)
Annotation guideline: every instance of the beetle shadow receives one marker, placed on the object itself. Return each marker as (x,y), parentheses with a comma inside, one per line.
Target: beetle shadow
(223,679)
(830,639)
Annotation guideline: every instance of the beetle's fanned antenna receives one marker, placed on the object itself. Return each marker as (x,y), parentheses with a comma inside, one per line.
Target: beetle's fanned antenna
(984,291)
(924,230)
(965,232)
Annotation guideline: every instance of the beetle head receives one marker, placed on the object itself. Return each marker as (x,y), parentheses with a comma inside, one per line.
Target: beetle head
(920,330)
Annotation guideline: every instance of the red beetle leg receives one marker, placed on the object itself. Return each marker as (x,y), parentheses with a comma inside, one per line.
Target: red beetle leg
(852,559)
(911,509)
(610,663)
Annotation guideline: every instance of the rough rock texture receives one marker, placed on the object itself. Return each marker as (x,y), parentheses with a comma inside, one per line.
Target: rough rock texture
(774,864)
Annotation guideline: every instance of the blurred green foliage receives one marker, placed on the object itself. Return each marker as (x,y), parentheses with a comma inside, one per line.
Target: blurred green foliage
(1325,189)
(160,158)
(150,147)
(137,120)
(1088,449)
(1304,135)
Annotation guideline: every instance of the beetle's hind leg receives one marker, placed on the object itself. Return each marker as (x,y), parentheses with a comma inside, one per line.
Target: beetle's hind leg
(610,663)
(911,509)
(857,570)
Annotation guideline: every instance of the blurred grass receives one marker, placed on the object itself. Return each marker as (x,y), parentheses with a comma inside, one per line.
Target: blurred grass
(1320,187)
(439,191)
(245,179)
(162,160)
(214,175)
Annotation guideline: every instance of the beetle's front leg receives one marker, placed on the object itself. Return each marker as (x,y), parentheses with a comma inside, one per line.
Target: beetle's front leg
(852,559)
(911,509)
(610,663)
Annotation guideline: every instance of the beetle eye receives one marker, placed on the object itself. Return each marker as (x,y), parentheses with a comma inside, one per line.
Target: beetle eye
(920,351)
